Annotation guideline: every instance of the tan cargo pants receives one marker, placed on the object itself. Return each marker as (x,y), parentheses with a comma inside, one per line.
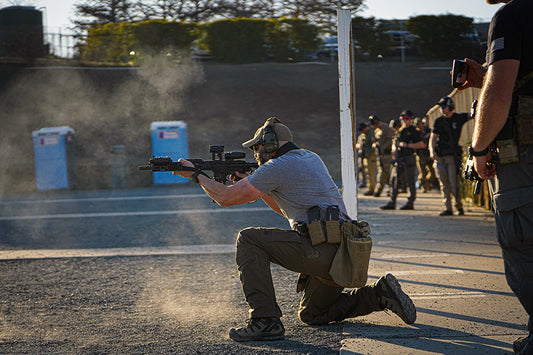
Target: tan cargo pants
(320,304)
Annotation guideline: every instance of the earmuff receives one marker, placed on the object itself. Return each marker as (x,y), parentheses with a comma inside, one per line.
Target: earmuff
(270,138)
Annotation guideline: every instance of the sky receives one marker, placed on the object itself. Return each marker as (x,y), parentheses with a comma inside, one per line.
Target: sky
(57,13)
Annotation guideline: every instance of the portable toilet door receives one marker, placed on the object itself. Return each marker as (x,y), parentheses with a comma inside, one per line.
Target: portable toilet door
(53,154)
(169,138)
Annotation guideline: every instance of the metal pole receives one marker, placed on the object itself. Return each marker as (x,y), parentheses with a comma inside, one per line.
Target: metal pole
(347,112)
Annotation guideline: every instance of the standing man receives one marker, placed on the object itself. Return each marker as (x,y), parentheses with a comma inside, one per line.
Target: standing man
(293,182)
(407,140)
(504,103)
(365,147)
(384,135)
(445,151)
(426,172)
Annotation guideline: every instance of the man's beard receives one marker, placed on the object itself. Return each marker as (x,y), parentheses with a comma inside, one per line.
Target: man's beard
(263,156)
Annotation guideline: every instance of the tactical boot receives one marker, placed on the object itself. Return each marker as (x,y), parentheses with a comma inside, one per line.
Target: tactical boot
(391,296)
(523,345)
(408,206)
(258,329)
(389,206)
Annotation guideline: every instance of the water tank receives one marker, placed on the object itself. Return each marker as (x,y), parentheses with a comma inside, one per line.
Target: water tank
(21,32)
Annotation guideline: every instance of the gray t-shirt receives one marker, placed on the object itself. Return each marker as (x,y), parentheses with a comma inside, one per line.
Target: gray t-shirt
(297,181)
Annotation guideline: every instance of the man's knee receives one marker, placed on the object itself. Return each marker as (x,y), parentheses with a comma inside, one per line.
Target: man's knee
(310,318)
(246,241)
(248,236)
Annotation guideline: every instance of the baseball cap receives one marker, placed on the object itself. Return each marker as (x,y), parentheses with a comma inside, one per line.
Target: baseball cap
(445,101)
(283,132)
(406,114)
(373,119)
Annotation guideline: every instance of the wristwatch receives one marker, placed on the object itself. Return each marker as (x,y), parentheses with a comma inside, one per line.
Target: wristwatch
(473,153)
(194,177)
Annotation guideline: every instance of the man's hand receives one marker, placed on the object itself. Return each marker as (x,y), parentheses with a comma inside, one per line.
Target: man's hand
(239,175)
(476,73)
(484,168)
(184,173)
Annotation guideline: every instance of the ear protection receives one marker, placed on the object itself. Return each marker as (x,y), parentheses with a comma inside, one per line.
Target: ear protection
(270,138)
(451,104)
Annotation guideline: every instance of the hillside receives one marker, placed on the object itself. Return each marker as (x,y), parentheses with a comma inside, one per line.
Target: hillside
(222,104)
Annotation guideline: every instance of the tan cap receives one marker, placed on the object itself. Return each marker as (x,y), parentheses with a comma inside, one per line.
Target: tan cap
(282,132)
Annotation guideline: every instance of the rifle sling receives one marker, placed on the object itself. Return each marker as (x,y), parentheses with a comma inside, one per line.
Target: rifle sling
(287,147)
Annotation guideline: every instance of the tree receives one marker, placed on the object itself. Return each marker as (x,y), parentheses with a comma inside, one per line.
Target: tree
(320,12)
(444,36)
(93,12)
(370,37)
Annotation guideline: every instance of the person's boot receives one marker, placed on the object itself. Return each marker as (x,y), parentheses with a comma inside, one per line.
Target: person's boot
(408,206)
(391,296)
(391,205)
(258,329)
(369,193)
(378,191)
(523,345)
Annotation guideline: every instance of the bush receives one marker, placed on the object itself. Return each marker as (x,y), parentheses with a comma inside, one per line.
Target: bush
(109,43)
(233,41)
(113,43)
(237,41)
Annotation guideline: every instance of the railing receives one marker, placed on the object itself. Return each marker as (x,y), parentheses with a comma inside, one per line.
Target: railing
(62,45)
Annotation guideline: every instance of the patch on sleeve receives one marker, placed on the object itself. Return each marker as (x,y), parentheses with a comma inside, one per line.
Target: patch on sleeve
(497,44)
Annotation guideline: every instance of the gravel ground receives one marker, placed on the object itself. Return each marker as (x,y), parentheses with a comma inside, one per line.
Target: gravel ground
(139,305)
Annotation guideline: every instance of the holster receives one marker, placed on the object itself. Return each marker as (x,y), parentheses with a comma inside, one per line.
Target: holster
(524,120)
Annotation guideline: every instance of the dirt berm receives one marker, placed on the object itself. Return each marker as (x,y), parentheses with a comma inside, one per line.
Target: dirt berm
(221,104)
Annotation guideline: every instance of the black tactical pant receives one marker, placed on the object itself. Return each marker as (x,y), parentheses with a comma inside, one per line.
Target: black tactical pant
(404,167)
(512,198)
(320,304)
(515,235)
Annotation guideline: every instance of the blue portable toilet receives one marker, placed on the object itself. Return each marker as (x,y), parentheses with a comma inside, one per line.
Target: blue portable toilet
(53,152)
(169,138)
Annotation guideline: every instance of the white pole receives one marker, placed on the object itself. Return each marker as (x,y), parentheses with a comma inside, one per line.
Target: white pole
(347,112)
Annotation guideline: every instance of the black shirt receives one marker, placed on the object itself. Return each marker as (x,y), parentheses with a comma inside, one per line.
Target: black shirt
(449,131)
(408,135)
(511,37)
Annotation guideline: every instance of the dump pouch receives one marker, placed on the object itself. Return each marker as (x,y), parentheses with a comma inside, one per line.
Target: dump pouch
(333,225)
(315,226)
(349,267)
